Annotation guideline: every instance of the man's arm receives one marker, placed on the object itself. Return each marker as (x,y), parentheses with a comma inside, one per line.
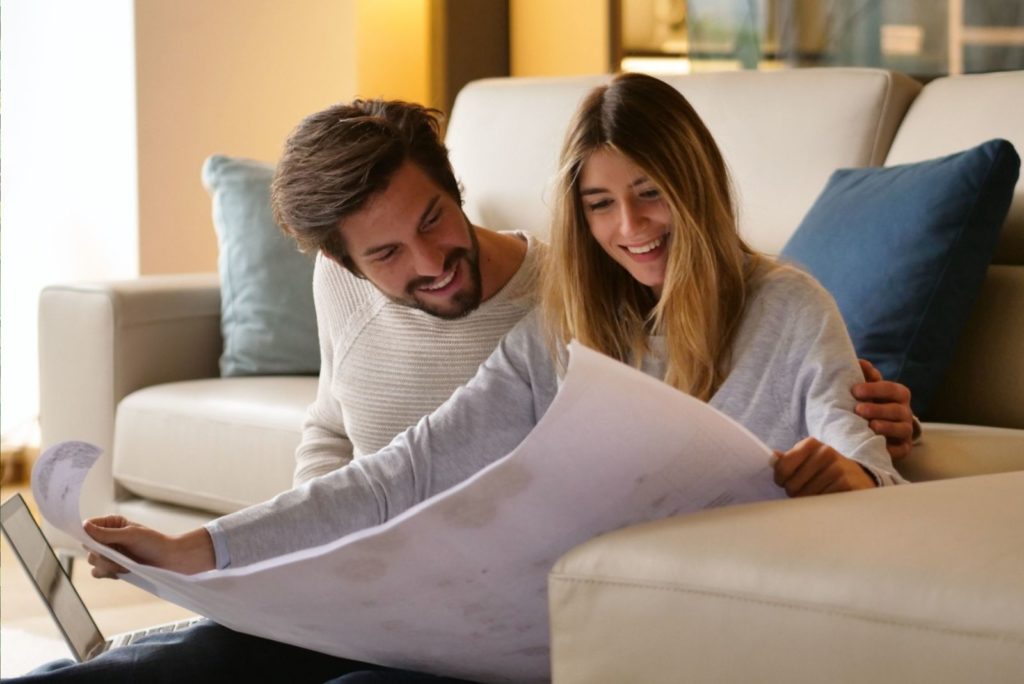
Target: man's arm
(325,446)
(886,407)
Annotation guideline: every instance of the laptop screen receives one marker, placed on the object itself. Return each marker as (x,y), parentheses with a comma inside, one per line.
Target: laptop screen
(52,583)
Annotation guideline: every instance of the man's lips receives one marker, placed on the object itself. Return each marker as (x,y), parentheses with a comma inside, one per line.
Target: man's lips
(440,283)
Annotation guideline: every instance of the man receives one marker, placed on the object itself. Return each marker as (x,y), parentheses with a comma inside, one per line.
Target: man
(410,298)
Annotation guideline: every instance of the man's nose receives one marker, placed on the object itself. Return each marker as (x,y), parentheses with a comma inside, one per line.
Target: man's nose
(428,259)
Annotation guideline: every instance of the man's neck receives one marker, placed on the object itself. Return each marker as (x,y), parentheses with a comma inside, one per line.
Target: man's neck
(501,255)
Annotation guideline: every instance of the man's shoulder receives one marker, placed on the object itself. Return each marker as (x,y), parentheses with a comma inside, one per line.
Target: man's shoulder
(521,289)
(333,281)
(342,299)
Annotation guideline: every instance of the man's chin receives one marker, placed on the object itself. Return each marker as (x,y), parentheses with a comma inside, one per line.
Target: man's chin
(459,305)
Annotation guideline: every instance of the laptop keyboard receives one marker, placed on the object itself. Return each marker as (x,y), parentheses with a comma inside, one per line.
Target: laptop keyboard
(158,629)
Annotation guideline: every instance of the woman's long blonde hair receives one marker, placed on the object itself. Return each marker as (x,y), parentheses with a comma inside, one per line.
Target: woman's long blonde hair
(589,297)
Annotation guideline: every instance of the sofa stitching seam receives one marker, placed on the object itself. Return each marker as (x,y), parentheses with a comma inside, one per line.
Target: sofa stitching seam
(794,606)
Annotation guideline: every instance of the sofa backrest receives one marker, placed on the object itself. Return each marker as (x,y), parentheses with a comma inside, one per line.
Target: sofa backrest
(983,385)
(782,134)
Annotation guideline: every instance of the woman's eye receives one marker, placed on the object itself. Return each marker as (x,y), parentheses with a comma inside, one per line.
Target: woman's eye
(650,194)
(599,205)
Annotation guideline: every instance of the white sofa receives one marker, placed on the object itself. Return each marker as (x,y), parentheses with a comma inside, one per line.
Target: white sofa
(923,581)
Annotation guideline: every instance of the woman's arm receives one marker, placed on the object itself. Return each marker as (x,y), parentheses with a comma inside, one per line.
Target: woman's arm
(483,421)
(812,468)
(828,368)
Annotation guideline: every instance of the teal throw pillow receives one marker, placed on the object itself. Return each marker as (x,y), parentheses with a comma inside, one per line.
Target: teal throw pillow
(904,251)
(267,317)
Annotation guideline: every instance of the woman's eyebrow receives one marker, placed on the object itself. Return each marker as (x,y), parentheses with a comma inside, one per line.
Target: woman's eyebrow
(596,191)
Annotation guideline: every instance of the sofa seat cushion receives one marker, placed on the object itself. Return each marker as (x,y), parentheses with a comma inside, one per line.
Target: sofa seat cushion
(947,450)
(216,444)
(917,583)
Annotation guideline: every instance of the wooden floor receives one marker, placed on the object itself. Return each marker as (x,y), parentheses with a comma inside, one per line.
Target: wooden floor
(116,606)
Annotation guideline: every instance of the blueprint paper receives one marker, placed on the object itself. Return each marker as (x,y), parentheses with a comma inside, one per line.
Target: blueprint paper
(457,585)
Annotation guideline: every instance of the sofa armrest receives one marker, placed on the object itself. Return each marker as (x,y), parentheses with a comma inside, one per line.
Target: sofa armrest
(917,583)
(101,341)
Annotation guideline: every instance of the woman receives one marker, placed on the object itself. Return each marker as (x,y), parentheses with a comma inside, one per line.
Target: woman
(647,267)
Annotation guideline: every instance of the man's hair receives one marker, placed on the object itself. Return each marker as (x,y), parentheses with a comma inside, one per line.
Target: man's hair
(589,297)
(338,158)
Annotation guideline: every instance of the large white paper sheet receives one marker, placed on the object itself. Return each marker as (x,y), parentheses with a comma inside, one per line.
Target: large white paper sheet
(457,585)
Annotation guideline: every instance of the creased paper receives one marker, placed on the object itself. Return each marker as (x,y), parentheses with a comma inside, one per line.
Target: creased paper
(457,585)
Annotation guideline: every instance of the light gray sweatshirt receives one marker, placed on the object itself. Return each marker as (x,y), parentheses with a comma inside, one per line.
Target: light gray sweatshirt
(793,366)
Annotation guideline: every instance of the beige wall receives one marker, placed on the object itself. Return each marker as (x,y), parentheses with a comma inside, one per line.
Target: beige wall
(394,49)
(559,37)
(231,77)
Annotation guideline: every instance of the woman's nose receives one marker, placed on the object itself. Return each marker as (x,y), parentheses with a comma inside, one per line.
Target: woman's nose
(632,220)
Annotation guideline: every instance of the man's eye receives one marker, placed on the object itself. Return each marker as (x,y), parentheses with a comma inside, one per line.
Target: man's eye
(432,219)
(385,255)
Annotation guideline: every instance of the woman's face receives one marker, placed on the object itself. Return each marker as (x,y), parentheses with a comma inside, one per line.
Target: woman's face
(627,215)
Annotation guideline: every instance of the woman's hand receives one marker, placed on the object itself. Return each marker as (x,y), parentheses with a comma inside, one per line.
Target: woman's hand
(811,468)
(187,553)
(886,407)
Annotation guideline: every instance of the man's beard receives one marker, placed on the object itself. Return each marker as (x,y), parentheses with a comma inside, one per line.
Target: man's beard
(467,298)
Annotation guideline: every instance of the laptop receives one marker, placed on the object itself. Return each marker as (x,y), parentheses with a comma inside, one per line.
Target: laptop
(55,588)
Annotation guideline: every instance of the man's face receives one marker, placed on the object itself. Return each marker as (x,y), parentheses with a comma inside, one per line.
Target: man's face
(413,242)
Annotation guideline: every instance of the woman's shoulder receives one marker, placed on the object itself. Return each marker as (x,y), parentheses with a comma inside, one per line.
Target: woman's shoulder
(780,282)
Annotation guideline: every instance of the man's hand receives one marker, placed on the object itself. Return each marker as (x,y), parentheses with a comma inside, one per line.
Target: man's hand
(187,553)
(811,468)
(886,407)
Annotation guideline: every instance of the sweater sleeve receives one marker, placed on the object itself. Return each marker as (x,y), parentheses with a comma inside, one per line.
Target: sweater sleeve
(827,372)
(483,421)
(325,446)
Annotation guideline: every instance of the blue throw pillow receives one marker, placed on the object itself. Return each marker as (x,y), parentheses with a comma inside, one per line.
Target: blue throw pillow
(904,251)
(267,317)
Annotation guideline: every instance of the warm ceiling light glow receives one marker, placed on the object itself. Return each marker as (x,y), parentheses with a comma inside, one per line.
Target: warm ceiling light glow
(668,66)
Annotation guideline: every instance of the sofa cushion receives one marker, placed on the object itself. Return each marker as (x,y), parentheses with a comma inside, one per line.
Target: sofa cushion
(267,316)
(917,583)
(949,450)
(957,112)
(904,251)
(215,444)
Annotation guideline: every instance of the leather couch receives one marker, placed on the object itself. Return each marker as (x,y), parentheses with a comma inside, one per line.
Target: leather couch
(918,583)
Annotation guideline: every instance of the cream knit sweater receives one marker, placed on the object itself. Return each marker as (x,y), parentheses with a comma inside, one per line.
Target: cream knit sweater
(383,366)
